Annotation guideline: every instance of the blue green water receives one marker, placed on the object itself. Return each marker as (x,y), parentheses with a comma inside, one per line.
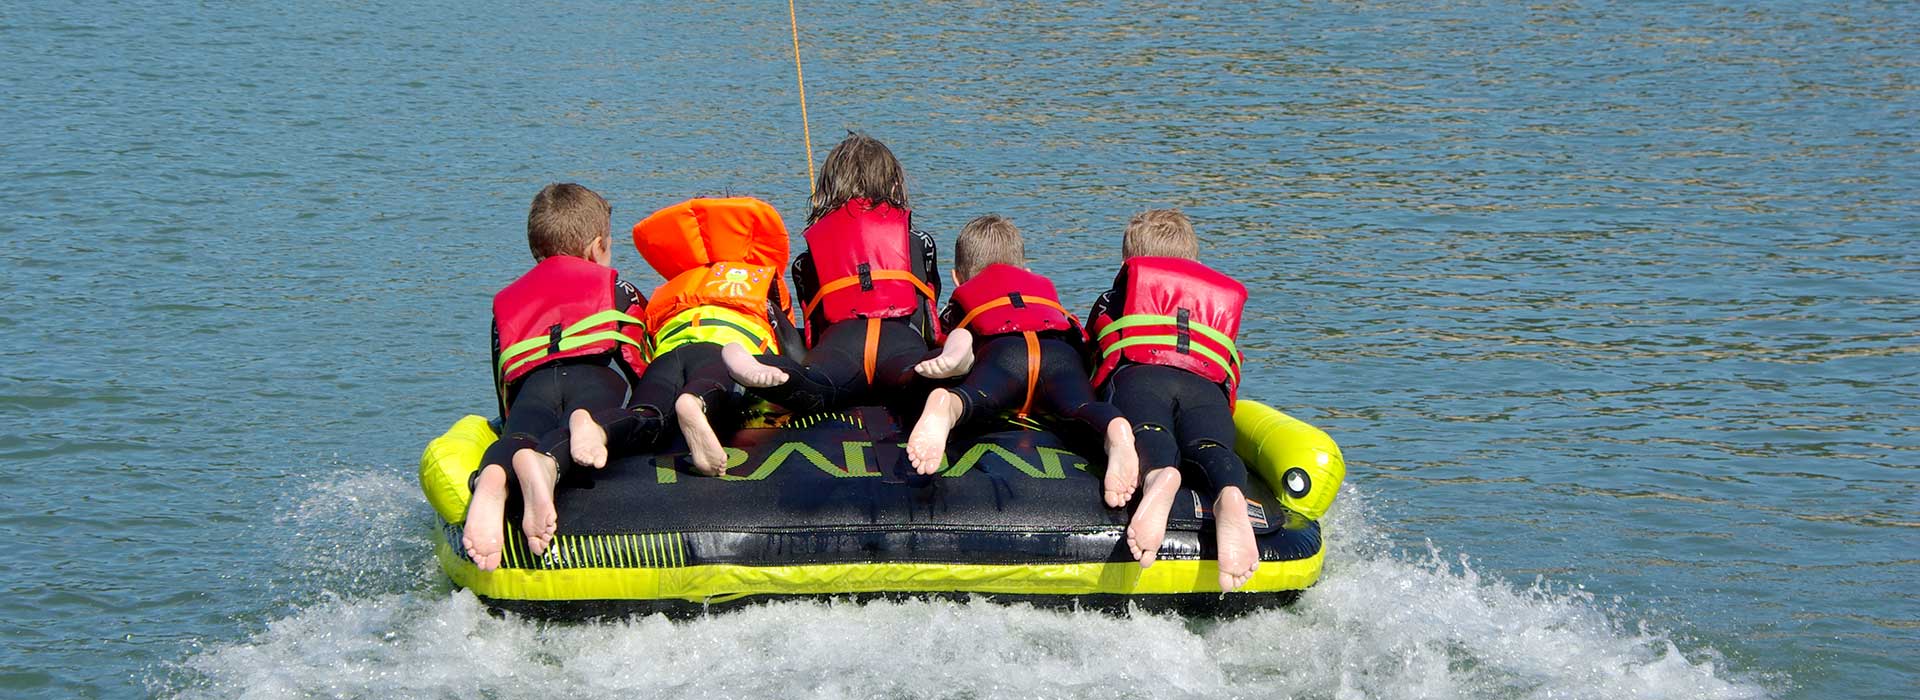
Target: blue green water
(1614,308)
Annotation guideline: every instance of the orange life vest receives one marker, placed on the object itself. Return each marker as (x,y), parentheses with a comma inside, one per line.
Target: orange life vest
(723,260)
(1007,300)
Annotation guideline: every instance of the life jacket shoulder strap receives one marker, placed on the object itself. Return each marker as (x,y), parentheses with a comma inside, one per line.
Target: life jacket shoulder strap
(866,279)
(1181,323)
(1008,300)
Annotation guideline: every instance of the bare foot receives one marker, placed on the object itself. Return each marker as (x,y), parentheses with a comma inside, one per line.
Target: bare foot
(749,371)
(927,444)
(536,473)
(1238,554)
(486,516)
(586,439)
(1149,524)
(956,357)
(1123,464)
(709,456)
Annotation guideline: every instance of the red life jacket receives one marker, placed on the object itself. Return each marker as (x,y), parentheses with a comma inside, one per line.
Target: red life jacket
(863,259)
(1176,313)
(563,307)
(1004,299)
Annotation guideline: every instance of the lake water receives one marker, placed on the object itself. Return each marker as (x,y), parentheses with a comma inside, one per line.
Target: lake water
(1614,308)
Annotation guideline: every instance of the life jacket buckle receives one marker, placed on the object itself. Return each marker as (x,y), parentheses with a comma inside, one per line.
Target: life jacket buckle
(866,277)
(553,339)
(1019,302)
(1183,335)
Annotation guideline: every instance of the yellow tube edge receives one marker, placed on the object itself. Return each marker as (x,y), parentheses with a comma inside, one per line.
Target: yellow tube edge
(1273,443)
(448,461)
(721,582)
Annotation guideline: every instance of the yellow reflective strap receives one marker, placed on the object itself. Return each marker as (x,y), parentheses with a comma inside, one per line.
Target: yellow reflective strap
(574,343)
(1233,369)
(599,319)
(1136,320)
(521,347)
(876,275)
(710,324)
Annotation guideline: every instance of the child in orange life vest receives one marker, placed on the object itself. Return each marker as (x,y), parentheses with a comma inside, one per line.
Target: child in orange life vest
(562,342)
(869,281)
(1029,351)
(1165,334)
(722,259)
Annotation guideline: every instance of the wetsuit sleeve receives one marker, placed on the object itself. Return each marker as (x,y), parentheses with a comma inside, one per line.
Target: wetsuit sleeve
(950,316)
(631,362)
(803,277)
(804,282)
(930,260)
(628,296)
(931,325)
(1098,318)
(493,352)
(792,345)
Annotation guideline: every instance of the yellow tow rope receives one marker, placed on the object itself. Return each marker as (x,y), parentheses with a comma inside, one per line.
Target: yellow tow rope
(806,130)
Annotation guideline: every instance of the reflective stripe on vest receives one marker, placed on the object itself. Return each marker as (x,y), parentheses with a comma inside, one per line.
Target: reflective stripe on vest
(1176,313)
(586,331)
(707,300)
(1180,340)
(711,324)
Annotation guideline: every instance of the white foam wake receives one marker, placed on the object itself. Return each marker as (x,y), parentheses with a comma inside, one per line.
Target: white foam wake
(1378,626)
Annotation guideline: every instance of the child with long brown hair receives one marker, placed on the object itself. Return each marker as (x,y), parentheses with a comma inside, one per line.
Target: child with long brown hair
(869,281)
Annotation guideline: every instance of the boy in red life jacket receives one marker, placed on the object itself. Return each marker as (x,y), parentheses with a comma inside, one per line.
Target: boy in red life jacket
(722,259)
(1029,356)
(563,344)
(1165,336)
(869,282)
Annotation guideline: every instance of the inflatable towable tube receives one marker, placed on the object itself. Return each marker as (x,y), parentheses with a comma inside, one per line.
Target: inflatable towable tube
(827,505)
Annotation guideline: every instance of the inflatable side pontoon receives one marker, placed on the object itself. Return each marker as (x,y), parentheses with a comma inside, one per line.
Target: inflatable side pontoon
(827,506)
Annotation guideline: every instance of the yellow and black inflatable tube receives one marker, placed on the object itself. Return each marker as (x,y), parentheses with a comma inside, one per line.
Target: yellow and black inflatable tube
(829,509)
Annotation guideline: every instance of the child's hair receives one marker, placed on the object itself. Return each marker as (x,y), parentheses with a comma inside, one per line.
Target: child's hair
(859,168)
(1160,232)
(984,241)
(566,219)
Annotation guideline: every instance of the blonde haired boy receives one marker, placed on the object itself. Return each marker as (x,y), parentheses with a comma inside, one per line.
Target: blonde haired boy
(1167,359)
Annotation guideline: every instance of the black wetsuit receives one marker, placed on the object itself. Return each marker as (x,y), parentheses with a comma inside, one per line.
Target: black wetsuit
(1179,418)
(694,368)
(835,374)
(537,403)
(998,381)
